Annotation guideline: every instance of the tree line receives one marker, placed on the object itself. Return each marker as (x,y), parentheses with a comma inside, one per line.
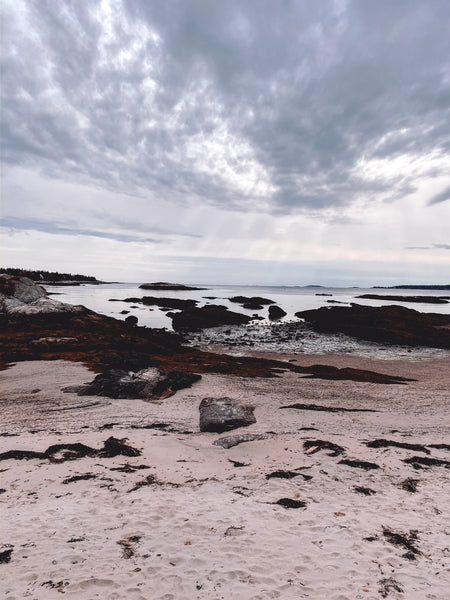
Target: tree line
(42,275)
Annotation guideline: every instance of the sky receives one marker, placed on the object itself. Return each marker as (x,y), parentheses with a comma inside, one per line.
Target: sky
(283,142)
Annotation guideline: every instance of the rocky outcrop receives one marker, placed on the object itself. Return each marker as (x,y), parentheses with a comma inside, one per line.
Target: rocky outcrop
(223,414)
(175,303)
(251,303)
(385,324)
(146,384)
(275,313)
(22,296)
(163,285)
(419,299)
(194,319)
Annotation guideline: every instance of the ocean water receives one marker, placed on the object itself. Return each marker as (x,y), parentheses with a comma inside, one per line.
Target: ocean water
(261,335)
(290,299)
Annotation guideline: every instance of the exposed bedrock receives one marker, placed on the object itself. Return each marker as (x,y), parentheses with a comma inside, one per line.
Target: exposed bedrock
(385,324)
(275,313)
(193,319)
(223,414)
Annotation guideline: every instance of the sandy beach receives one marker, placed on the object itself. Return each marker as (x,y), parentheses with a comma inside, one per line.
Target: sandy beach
(188,519)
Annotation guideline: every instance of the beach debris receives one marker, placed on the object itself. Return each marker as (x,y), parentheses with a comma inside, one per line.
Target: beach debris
(359,464)
(2,490)
(282,475)
(5,555)
(421,462)
(149,480)
(75,540)
(404,540)
(240,438)
(386,443)
(234,531)
(275,312)
(83,477)
(289,503)
(440,446)
(388,584)
(237,463)
(242,491)
(58,453)
(339,513)
(129,545)
(364,490)
(319,407)
(409,485)
(115,447)
(59,585)
(127,468)
(313,446)
(223,414)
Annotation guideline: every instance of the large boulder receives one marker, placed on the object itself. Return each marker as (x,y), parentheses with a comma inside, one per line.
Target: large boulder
(22,296)
(223,414)
(275,313)
(150,383)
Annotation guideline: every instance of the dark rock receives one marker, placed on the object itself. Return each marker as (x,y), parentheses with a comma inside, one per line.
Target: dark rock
(275,313)
(420,299)
(234,440)
(251,300)
(168,303)
(125,312)
(5,556)
(193,319)
(131,320)
(223,414)
(384,324)
(162,285)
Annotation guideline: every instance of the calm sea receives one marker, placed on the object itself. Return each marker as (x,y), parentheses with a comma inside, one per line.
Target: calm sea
(291,299)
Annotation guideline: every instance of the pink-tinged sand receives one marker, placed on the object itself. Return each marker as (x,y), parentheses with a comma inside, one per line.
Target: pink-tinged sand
(210,530)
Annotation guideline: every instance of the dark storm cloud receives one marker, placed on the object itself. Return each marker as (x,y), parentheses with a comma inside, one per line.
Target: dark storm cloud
(305,90)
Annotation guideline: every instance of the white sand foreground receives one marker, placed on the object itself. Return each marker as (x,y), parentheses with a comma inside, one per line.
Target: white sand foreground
(209,529)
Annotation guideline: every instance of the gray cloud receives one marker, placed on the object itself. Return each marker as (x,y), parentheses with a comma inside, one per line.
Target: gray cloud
(431,247)
(204,101)
(17,223)
(441,197)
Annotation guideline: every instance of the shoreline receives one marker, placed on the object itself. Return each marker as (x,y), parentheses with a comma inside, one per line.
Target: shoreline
(206,529)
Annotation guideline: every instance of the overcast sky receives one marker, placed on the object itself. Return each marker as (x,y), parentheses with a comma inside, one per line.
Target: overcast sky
(250,141)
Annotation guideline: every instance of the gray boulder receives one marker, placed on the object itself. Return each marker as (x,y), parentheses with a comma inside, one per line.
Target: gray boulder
(223,414)
(22,296)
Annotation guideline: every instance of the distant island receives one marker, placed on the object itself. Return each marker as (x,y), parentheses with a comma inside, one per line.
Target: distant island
(163,285)
(411,287)
(50,277)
